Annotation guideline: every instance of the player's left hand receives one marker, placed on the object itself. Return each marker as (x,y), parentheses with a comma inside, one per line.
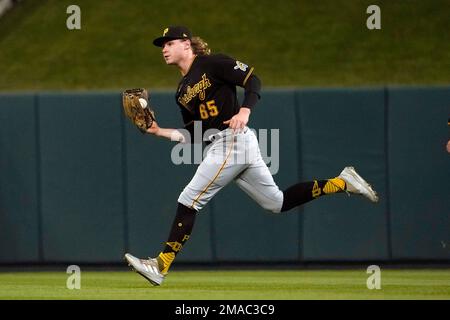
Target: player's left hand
(239,120)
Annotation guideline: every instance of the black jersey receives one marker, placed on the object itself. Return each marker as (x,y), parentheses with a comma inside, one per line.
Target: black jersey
(207,92)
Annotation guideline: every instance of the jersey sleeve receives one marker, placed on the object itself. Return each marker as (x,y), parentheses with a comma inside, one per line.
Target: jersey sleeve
(232,71)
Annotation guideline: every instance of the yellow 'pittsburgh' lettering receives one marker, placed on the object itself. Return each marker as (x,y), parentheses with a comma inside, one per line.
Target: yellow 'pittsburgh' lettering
(198,89)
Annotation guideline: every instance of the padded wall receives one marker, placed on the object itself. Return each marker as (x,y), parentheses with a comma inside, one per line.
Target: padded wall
(79,183)
(340,128)
(19,197)
(419,172)
(81,170)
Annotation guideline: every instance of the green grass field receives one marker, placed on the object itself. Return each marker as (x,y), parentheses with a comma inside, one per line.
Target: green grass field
(290,43)
(225,285)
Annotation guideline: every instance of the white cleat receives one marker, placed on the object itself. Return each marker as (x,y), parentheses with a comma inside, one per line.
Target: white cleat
(357,185)
(149,269)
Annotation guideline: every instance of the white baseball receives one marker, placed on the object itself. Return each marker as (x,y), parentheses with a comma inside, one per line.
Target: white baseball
(143,103)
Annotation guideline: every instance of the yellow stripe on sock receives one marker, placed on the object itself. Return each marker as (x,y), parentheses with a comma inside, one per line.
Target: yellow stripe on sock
(167,259)
(334,185)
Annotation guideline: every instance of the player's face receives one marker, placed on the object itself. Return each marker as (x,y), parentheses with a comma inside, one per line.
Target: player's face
(174,51)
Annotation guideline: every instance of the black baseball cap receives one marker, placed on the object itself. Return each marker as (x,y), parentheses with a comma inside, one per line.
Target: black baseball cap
(173,33)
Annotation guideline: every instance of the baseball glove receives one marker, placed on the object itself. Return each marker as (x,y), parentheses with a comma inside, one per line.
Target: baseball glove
(138,110)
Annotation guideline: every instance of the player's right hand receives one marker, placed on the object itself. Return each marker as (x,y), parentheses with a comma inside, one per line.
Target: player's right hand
(239,120)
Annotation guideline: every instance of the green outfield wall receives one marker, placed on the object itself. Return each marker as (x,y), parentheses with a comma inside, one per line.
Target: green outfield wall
(80,184)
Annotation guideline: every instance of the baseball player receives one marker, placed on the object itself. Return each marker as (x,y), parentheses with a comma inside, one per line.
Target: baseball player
(206,93)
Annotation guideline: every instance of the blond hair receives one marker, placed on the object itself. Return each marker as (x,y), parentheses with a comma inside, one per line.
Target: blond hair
(200,47)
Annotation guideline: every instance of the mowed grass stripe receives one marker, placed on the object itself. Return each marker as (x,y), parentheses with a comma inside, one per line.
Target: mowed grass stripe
(223,285)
